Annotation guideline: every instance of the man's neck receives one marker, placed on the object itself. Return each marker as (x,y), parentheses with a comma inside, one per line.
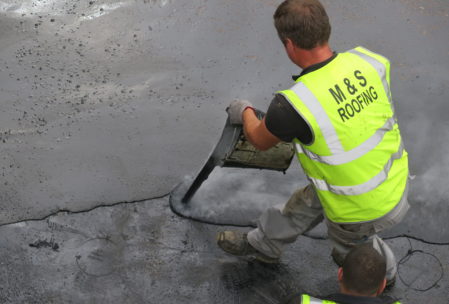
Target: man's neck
(353,293)
(307,58)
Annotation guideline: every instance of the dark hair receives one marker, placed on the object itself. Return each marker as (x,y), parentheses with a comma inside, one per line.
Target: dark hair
(305,22)
(364,270)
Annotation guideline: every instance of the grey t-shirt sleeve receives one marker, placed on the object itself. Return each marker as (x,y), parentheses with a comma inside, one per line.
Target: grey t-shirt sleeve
(285,123)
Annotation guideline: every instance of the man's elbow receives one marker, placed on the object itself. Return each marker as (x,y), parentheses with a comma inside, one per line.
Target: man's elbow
(260,137)
(256,142)
(262,146)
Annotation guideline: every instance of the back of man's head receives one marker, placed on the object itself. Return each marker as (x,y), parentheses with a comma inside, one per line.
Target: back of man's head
(364,271)
(305,22)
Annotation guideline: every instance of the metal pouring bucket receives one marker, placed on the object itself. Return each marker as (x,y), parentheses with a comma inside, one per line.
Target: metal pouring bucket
(233,150)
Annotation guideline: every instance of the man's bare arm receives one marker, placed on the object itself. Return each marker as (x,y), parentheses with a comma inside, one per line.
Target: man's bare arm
(256,131)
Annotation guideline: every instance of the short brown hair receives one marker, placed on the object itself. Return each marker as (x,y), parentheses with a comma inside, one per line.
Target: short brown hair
(364,270)
(305,22)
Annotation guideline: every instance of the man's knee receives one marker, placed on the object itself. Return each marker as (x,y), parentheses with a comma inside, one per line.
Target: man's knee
(303,199)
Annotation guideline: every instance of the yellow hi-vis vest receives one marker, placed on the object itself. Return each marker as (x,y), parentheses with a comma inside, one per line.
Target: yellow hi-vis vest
(306,299)
(356,160)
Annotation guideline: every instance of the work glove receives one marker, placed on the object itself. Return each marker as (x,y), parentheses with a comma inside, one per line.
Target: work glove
(235,110)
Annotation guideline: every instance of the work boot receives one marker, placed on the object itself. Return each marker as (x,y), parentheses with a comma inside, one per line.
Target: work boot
(236,243)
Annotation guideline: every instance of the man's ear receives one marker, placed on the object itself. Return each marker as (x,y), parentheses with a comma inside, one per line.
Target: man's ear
(290,48)
(340,274)
(381,287)
(289,45)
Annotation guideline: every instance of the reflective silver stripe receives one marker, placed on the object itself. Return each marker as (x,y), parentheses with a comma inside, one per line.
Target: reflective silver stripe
(314,106)
(358,151)
(361,188)
(382,72)
(299,148)
(379,67)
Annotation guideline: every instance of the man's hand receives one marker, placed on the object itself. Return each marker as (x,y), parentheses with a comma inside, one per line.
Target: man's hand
(235,110)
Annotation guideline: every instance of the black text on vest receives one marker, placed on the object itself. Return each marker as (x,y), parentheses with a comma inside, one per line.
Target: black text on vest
(359,92)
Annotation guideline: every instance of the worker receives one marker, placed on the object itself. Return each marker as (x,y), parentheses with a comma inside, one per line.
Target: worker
(361,280)
(340,117)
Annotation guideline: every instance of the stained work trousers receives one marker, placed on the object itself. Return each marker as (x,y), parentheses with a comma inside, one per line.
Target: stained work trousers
(282,224)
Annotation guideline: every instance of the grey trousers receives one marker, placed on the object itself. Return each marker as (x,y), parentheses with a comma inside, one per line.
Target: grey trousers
(282,224)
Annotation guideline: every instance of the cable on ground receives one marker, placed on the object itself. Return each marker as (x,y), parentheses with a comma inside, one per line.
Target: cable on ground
(407,257)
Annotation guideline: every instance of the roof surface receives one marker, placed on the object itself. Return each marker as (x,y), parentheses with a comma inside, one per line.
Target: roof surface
(107,105)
